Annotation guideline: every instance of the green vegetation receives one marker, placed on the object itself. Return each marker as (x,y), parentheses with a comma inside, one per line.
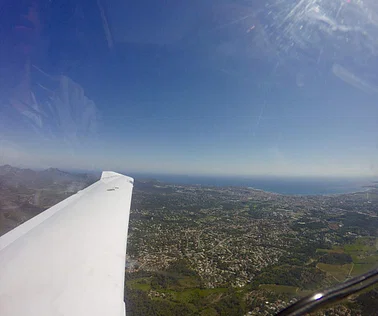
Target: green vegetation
(362,253)
(333,250)
(143,284)
(336,258)
(280,289)
(146,296)
(339,272)
(364,244)
(360,268)
(306,278)
(178,291)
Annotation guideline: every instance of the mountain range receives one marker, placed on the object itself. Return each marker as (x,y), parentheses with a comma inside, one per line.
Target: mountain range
(25,193)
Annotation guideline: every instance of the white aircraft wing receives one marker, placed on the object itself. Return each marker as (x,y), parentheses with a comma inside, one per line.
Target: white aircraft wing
(70,259)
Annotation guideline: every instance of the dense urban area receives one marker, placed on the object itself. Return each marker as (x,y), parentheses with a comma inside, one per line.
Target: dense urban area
(195,250)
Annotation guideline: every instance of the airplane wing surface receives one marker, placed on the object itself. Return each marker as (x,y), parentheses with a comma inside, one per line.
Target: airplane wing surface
(70,259)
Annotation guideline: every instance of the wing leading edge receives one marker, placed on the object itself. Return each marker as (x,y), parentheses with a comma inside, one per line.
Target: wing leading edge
(70,259)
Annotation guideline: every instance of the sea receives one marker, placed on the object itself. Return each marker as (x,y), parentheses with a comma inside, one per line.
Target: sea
(281,185)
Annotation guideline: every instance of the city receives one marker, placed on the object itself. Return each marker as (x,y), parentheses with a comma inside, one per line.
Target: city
(200,250)
(269,249)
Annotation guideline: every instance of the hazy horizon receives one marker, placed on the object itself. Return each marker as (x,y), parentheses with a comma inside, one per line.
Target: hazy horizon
(277,184)
(148,174)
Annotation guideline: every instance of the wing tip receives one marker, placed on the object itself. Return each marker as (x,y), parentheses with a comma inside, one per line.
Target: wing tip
(112,174)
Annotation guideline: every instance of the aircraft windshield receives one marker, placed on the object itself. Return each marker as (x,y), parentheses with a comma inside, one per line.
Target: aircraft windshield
(250,128)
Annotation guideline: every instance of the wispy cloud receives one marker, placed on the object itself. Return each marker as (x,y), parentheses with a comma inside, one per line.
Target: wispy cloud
(350,78)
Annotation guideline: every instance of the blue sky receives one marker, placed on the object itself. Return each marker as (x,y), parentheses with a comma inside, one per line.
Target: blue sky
(224,88)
